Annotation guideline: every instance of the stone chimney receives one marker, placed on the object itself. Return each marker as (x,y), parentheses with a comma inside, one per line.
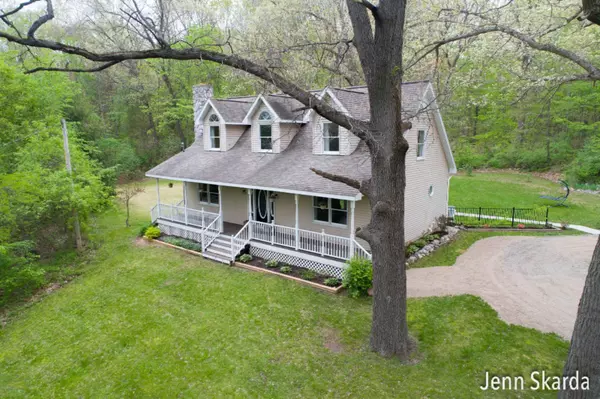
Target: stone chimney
(202,93)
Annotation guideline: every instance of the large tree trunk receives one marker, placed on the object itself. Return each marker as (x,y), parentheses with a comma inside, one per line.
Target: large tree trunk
(584,354)
(389,330)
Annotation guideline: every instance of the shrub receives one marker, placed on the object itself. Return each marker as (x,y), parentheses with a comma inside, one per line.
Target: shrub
(431,237)
(143,229)
(421,242)
(285,269)
(586,166)
(411,250)
(245,258)
(271,263)
(358,277)
(307,274)
(332,282)
(183,243)
(152,232)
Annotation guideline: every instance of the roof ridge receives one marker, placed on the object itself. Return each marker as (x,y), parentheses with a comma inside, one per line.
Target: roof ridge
(234,100)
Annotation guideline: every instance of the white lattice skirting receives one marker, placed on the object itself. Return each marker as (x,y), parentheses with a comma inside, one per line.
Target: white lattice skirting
(326,267)
(187,232)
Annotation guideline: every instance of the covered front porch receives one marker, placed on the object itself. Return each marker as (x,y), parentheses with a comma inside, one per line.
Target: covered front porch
(291,223)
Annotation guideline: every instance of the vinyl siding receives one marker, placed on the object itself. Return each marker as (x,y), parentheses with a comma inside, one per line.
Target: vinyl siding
(287,132)
(348,141)
(255,129)
(421,209)
(234,132)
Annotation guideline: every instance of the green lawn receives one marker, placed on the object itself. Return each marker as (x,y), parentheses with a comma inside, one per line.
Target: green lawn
(507,190)
(149,321)
(446,255)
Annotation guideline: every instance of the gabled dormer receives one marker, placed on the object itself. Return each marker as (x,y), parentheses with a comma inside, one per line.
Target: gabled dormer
(275,120)
(222,124)
(328,137)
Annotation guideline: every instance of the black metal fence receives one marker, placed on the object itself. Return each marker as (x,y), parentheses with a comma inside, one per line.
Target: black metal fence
(499,217)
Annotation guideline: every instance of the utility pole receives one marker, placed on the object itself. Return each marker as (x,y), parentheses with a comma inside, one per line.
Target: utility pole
(77,228)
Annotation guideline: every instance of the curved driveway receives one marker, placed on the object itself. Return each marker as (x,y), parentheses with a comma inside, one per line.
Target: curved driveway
(532,281)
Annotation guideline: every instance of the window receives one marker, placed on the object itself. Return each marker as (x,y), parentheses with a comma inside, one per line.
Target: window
(331,137)
(421,144)
(215,135)
(266,138)
(330,210)
(215,138)
(208,193)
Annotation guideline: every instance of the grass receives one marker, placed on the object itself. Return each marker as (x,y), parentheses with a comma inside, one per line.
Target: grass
(446,255)
(507,190)
(149,321)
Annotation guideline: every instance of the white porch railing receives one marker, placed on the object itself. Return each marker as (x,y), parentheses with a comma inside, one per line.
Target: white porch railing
(310,241)
(180,214)
(211,232)
(239,240)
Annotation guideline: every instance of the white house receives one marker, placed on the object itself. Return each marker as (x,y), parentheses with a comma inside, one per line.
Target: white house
(247,177)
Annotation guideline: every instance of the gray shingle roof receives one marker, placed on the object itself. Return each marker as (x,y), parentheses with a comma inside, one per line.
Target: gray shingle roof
(287,171)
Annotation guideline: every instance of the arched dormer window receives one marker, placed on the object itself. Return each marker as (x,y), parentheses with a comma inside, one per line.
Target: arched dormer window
(266,138)
(215,134)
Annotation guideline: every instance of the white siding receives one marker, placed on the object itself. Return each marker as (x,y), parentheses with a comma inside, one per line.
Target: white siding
(222,132)
(421,209)
(256,131)
(287,132)
(234,132)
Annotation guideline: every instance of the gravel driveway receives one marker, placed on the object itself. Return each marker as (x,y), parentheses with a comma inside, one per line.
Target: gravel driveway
(532,281)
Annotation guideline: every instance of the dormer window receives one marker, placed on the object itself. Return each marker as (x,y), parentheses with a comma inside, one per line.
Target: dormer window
(215,135)
(266,139)
(331,138)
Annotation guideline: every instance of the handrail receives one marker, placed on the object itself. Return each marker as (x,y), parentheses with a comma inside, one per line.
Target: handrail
(361,250)
(212,237)
(239,240)
(189,216)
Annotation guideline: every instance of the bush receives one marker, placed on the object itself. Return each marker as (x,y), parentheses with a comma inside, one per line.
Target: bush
(307,274)
(421,242)
(358,277)
(271,263)
(152,232)
(332,282)
(431,237)
(411,250)
(143,229)
(183,243)
(285,269)
(586,166)
(245,258)
(19,273)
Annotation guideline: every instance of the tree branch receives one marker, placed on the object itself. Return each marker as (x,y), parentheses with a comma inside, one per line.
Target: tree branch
(363,36)
(41,20)
(82,70)
(372,7)
(338,178)
(19,7)
(591,11)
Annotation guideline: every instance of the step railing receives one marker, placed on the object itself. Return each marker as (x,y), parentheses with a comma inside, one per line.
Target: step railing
(361,252)
(211,232)
(240,240)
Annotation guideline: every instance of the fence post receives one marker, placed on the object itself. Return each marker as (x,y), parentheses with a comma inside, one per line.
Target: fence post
(322,242)
(479,217)
(202,212)
(512,224)
(547,212)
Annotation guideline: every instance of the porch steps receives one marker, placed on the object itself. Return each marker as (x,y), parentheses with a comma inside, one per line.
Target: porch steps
(219,250)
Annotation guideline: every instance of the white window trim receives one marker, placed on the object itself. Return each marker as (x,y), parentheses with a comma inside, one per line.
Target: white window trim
(210,126)
(338,225)
(338,152)
(208,194)
(270,123)
(422,157)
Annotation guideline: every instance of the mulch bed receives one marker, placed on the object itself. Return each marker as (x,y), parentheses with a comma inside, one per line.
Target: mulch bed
(296,271)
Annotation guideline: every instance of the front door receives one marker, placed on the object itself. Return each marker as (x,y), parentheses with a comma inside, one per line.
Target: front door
(263,206)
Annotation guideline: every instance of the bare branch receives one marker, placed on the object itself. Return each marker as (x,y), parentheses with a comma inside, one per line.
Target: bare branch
(19,7)
(372,7)
(338,178)
(79,70)
(41,20)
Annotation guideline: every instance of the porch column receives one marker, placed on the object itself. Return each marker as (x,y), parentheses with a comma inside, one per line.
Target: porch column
(352,229)
(297,223)
(249,213)
(220,210)
(158,196)
(185,213)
